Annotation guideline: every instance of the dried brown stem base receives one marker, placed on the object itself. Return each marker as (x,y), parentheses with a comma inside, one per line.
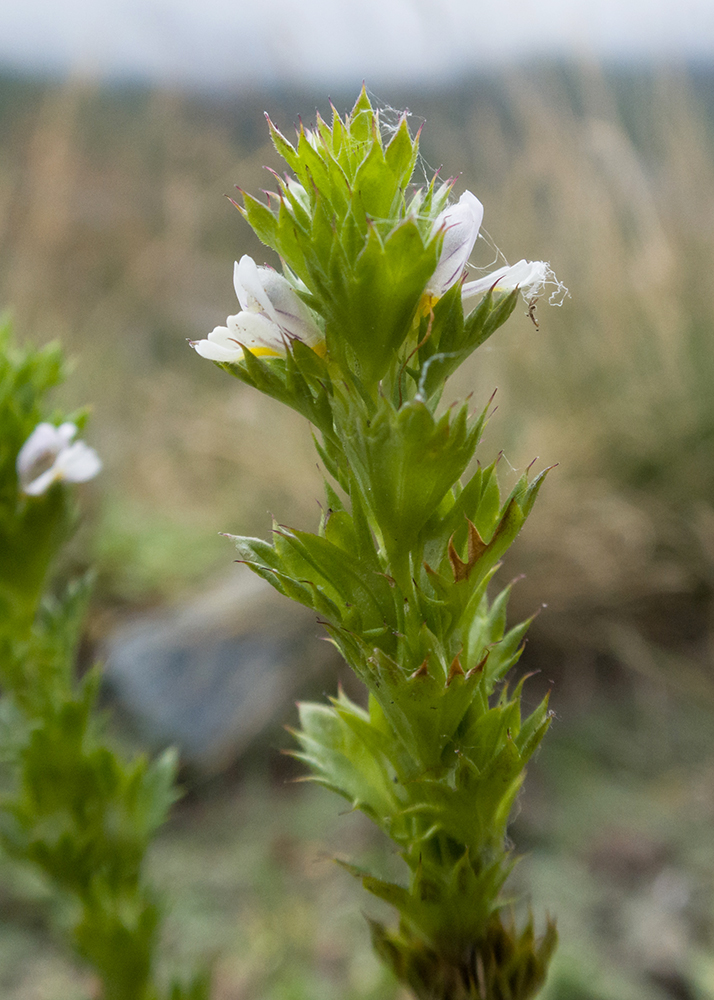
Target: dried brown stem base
(508,964)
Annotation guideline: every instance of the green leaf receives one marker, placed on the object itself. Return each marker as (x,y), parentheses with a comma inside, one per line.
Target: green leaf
(356,585)
(405,462)
(339,529)
(283,147)
(342,761)
(488,317)
(261,220)
(293,243)
(375,185)
(534,729)
(361,119)
(373,312)
(401,153)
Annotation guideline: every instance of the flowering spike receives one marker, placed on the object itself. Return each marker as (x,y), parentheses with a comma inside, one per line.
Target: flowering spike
(360,333)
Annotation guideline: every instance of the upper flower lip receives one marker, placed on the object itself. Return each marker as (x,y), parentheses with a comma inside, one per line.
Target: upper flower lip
(272,315)
(49,456)
(263,290)
(461,224)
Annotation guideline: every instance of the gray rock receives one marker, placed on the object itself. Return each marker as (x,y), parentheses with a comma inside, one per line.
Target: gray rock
(211,674)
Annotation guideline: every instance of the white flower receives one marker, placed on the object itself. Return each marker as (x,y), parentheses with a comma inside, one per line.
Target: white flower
(48,456)
(272,315)
(460,224)
(256,332)
(529,276)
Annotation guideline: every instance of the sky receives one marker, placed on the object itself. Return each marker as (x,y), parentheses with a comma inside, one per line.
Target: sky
(239,42)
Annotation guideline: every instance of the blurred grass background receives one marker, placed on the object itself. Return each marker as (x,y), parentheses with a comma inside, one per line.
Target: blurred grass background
(117,239)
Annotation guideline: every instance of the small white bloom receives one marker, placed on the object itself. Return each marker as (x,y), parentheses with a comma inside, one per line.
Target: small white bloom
(460,224)
(272,314)
(529,276)
(48,456)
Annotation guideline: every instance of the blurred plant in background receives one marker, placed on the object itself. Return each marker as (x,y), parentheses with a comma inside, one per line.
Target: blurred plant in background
(71,808)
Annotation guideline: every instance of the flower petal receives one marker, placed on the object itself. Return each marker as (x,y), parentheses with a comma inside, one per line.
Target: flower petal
(291,314)
(220,345)
(45,442)
(257,332)
(67,431)
(272,314)
(262,290)
(43,482)
(249,286)
(77,463)
(251,329)
(461,224)
(530,276)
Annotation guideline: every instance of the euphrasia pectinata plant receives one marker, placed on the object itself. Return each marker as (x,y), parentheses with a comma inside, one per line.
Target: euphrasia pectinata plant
(359,334)
(71,807)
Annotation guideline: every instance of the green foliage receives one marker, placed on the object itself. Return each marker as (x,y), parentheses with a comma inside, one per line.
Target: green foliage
(410,536)
(447,339)
(25,377)
(71,807)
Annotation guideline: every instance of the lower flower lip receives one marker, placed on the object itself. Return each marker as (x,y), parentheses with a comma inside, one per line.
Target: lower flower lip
(527,276)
